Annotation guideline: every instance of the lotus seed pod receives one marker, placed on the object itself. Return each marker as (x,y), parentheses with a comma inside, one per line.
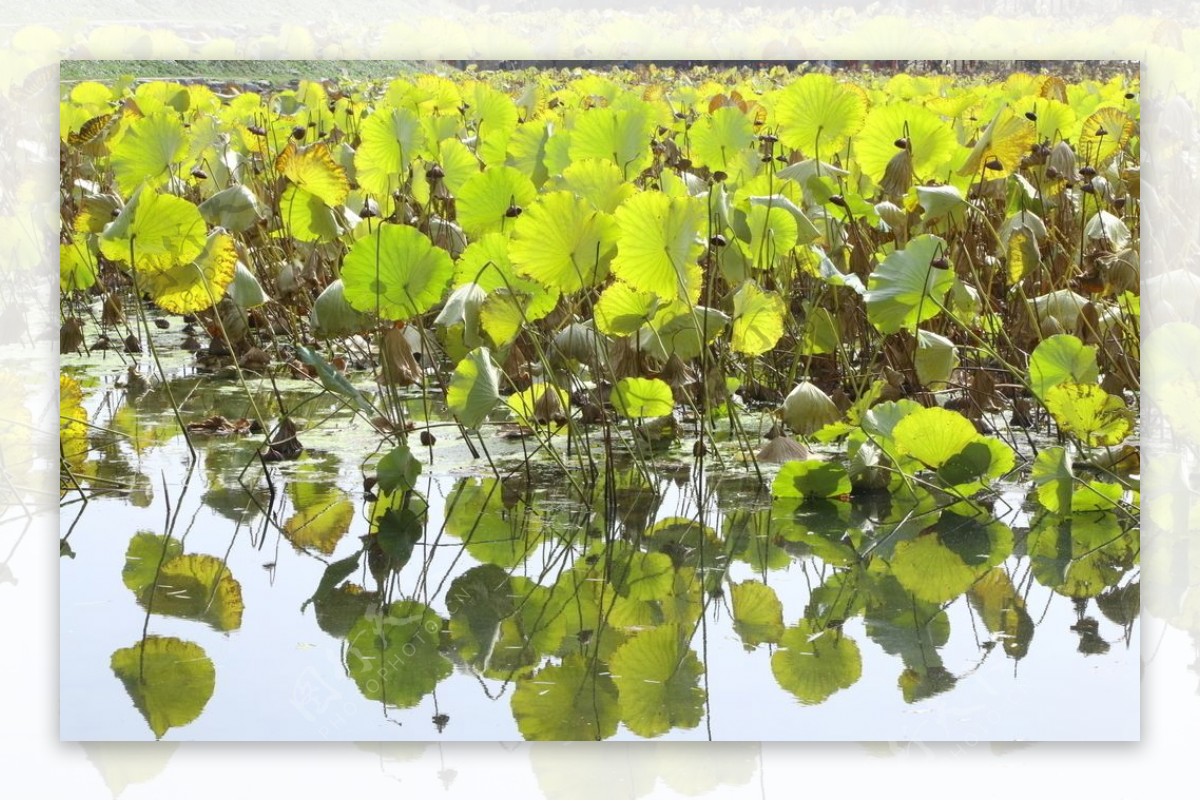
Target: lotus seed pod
(1062,161)
(892,214)
(807,409)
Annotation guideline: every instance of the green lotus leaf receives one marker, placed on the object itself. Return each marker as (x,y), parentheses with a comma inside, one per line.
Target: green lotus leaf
(486,262)
(542,404)
(389,140)
(772,234)
(757,320)
(155,232)
(396,272)
(1054,477)
(1104,134)
(1061,358)
(943,561)
(724,141)
(1089,413)
(642,397)
(169,680)
(657,247)
(76,266)
(562,242)
(810,478)
(658,681)
(940,201)
(394,657)
(688,543)
(148,151)
(244,289)
(331,379)
(235,209)
(398,469)
(321,521)
(145,553)
(933,435)
(527,150)
(314,170)
(599,182)
(1083,555)
(1006,140)
(495,118)
(757,613)
(479,600)
(774,231)
(474,388)
(906,289)
(642,576)
(490,200)
(814,664)
(1023,256)
(503,316)
(333,316)
(496,524)
(196,587)
(621,310)
(306,217)
(817,115)
(936,359)
(457,161)
(570,701)
(681,331)
(931,140)
(621,136)
(461,312)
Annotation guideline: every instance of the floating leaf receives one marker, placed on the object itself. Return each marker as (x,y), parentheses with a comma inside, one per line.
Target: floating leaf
(169,680)
(906,289)
(398,470)
(474,388)
(814,664)
(495,523)
(396,272)
(642,397)
(658,682)
(943,562)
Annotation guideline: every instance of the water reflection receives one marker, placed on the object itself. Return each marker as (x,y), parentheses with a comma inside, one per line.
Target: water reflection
(586,605)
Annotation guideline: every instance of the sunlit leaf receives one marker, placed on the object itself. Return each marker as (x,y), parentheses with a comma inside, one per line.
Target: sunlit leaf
(1090,413)
(757,613)
(562,242)
(811,478)
(155,232)
(657,247)
(396,272)
(314,170)
(642,397)
(933,435)
(474,388)
(493,199)
(907,289)
(148,151)
(197,285)
(322,522)
(757,320)
(570,701)
(390,139)
(1060,358)
(196,587)
(817,115)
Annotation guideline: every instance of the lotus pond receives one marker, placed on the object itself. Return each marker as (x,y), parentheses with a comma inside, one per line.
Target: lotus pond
(726,404)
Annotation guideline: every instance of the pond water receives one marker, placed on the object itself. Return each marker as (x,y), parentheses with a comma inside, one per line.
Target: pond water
(507,598)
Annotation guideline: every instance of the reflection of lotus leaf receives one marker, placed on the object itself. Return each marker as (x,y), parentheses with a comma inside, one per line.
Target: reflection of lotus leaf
(942,563)
(169,680)
(757,613)
(393,657)
(657,678)
(571,701)
(813,665)
(197,587)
